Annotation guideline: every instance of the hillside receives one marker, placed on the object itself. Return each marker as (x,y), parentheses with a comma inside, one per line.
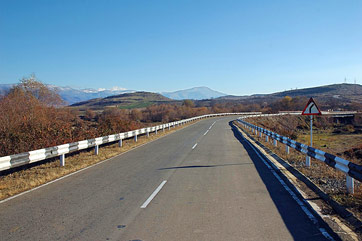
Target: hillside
(197,93)
(335,90)
(329,96)
(124,101)
(348,91)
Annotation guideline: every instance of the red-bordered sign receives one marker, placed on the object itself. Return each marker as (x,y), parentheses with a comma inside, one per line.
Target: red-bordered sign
(311,108)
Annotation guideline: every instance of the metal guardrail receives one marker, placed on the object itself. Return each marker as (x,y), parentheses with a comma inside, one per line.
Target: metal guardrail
(351,169)
(8,162)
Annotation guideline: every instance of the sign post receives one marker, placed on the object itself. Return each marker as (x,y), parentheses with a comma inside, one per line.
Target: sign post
(311,109)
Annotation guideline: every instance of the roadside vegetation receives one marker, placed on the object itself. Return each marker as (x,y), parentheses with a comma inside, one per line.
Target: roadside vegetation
(33,117)
(329,133)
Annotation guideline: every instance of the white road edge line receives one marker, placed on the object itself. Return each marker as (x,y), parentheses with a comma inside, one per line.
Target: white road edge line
(153,195)
(294,196)
(206,132)
(194,146)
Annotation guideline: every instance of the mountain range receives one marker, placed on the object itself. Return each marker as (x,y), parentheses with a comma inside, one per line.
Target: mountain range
(73,95)
(341,94)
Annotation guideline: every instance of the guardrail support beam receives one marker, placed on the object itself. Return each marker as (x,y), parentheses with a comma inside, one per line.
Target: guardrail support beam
(267,138)
(62,160)
(350,184)
(275,143)
(307,161)
(135,138)
(287,149)
(120,143)
(148,134)
(96,149)
(156,131)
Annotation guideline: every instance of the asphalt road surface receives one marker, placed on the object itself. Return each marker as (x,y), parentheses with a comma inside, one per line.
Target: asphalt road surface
(199,183)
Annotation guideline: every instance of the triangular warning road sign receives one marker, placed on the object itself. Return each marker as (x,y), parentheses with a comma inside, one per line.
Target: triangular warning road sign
(311,108)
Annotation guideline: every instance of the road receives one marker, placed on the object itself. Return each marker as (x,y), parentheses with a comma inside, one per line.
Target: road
(211,186)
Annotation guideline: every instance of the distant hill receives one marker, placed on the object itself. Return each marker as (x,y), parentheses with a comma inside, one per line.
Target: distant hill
(350,92)
(337,95)
(197,93)
(124,101)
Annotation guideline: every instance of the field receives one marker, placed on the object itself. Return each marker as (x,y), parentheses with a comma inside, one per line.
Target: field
(346,145)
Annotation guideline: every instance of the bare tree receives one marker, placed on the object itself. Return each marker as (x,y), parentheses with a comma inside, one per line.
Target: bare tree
(30,85)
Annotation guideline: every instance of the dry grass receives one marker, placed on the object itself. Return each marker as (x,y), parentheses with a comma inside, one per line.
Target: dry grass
(332,143)
(331,181)
(17,182)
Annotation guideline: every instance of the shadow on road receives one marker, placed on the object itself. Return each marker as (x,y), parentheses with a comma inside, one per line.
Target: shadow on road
(297,222)
(202,166)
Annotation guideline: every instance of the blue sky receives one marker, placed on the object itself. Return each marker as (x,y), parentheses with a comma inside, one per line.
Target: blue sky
(236,47)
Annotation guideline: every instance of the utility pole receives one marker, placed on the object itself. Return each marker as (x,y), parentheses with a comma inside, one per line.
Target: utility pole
(355,86)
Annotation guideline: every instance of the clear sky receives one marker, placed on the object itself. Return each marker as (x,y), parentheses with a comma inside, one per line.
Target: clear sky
(236,47)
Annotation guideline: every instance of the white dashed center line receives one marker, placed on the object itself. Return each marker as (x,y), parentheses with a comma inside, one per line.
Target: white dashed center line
(153,195)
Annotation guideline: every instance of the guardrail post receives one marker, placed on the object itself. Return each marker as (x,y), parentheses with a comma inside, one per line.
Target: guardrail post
(267,138)
(135,138)
(163,128)
(156,130)
(307,161)
(120,143)
(148,134)
(62,160)
(275,143)
(96,149)
(169,127)
(287,149)
(350,184)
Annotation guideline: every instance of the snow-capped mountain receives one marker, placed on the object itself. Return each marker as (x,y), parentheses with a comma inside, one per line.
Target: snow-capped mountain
(196,93)
(72,95)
